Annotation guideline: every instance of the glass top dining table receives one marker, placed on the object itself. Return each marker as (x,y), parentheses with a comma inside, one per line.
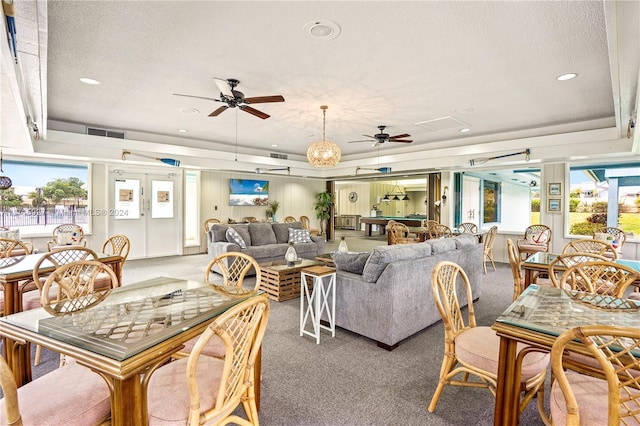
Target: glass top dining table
(537,317)
(135,328)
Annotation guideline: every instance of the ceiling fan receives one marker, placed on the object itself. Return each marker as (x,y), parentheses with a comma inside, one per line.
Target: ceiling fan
(383,137)
(234,98)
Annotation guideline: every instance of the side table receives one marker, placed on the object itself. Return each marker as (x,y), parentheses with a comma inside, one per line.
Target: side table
(318,284)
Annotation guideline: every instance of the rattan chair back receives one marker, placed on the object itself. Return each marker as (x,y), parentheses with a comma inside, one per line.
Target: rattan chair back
(467,228)
(487,248)
(564,261)
(589,245)
(58,257)
(118,245)
(64,230)
(209,222)
(616,351)
(439,230)
(233,267)
(516,270)
(398,233)
(76,289)
(10,248)
(537,238)
(617,234)
(600,276)
(289,219)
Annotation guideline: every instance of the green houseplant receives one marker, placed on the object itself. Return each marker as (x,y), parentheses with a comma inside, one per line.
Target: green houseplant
(272,209)
(322,207)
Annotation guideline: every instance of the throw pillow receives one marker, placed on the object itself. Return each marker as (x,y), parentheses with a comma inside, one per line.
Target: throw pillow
(65,238)
(234,237)
(13,234)
(299,236)
(350,262)
(540,238)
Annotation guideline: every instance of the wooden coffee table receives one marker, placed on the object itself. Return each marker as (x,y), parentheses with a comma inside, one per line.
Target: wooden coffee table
(281,282)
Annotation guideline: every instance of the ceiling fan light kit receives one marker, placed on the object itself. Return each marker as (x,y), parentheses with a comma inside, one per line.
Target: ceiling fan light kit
(324,153)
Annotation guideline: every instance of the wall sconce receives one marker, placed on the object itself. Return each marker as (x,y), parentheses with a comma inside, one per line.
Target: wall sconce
(445,194)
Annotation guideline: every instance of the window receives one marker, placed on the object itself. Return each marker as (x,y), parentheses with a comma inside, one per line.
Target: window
(604,195)
(44,195)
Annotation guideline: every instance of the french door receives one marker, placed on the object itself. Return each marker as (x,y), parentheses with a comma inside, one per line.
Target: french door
(147,210)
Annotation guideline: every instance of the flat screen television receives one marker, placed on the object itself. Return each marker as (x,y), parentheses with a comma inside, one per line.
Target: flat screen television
(248,192)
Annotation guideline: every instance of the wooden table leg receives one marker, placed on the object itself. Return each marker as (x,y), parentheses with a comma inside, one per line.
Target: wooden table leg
(367,229)
(528,277)
(507,390)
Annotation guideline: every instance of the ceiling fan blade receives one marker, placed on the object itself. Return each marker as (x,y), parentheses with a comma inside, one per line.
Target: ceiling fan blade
(254,111)
(264,99)
(404,135)
(224,87)
(400,140)
(218,111)
(197,97)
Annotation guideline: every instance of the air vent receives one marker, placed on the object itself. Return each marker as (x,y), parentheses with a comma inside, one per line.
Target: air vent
(280,156)
(93,131)
(442,123)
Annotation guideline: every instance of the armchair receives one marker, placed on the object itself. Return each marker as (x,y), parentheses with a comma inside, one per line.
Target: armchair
(67,234)
(537,238)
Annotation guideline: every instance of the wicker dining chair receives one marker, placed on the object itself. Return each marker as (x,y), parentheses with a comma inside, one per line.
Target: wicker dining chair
(589,245)
(306,224)
(67,234)
(213,388)
(537,238)
(439,230)
(611,397)
(209,222)
(599,276)
(118,245)
(467,228)
(71,395)
(398,233)
(472,350)
(233,266)
(289,219)
(617,234)
(487,249)
(516,270)
(10,247)
(564,261)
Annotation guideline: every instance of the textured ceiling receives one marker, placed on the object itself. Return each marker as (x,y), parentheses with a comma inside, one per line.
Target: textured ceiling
(489,65)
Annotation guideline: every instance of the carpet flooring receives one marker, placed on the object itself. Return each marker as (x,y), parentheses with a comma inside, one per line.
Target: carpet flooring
(347,379)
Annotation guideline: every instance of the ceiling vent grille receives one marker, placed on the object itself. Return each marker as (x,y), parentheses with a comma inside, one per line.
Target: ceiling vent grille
(94,131)
(442,123)
(280,156)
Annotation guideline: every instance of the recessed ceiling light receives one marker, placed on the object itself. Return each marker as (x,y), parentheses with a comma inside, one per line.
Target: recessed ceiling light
(322,29)
(189,111)
(274,144)
(183,131)
(465,130)
(567,76)
(86,80)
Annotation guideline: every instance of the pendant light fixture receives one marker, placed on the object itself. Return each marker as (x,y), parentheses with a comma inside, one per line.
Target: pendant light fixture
(323,153)
(5,181)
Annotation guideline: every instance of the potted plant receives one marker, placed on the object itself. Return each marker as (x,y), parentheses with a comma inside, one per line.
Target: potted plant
(323,210)
(272,208)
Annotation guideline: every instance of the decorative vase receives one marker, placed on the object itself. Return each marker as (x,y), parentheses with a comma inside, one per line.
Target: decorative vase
(342,247)
(291,256)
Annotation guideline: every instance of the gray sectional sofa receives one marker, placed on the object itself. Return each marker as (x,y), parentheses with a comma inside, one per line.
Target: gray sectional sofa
(391,299)
(265,242)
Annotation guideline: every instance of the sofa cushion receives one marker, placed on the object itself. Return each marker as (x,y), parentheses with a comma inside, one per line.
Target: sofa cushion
(465,241)
(350,262)
(219,232)
(262,234)
(267,251)
(383,255)
(299,236)
(442,245)
(234,237)
(282,230)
